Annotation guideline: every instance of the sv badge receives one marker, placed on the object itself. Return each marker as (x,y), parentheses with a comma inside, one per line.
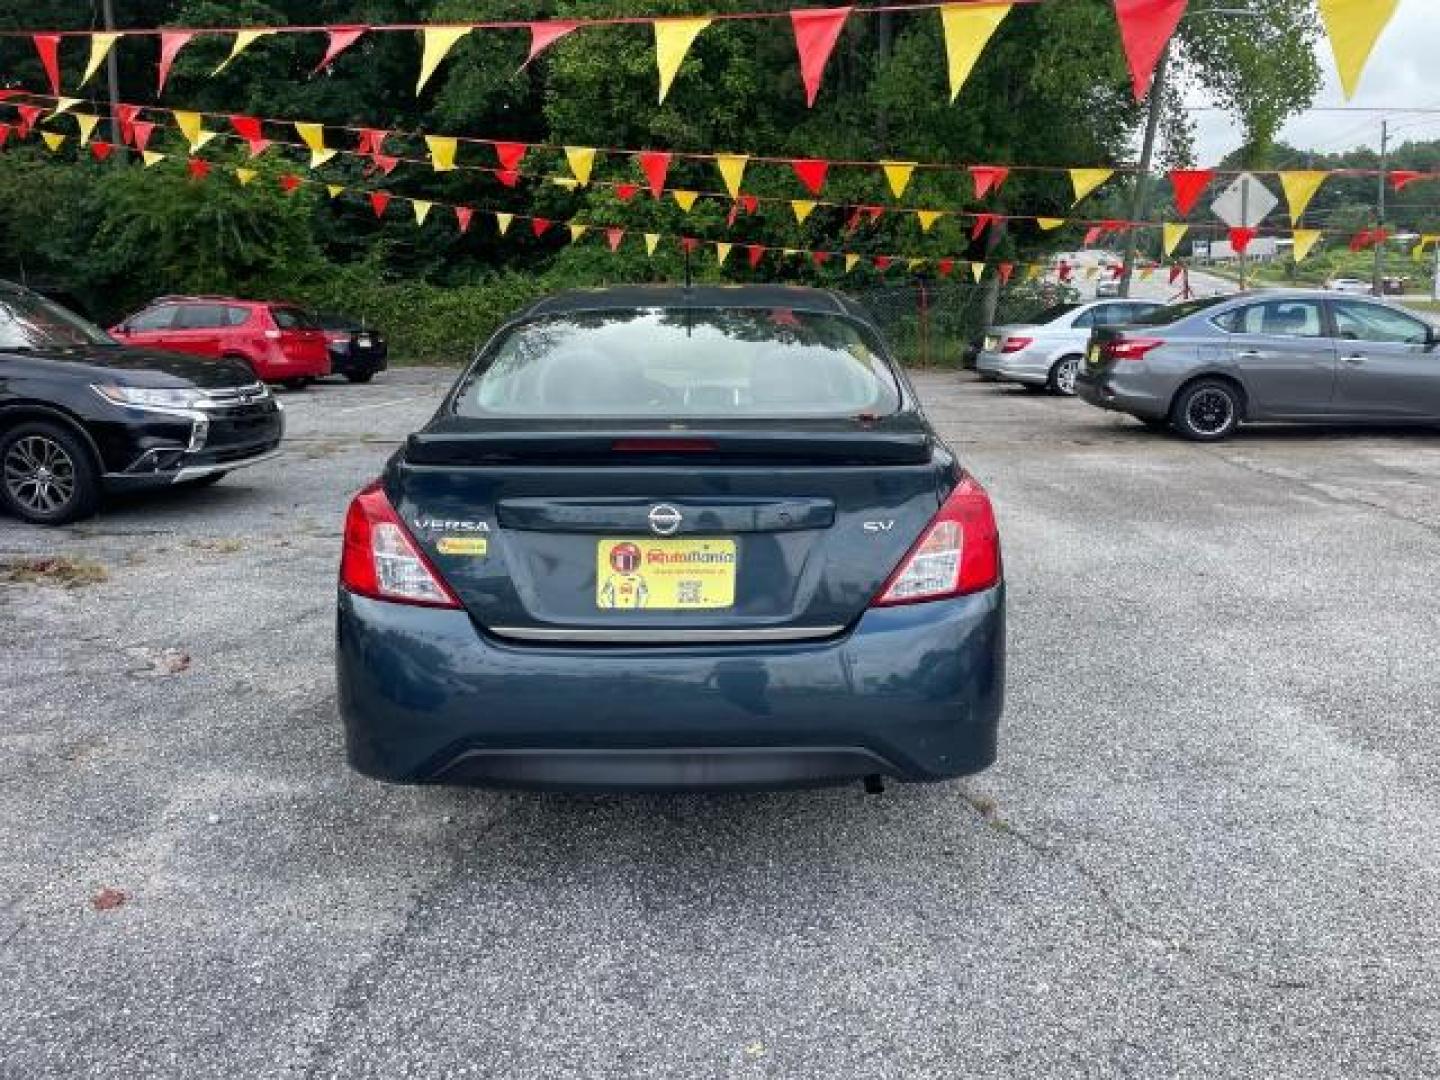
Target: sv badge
(879,526)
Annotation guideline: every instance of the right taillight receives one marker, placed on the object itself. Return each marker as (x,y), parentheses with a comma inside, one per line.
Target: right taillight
(381,561)
(1129,348)
(957,554)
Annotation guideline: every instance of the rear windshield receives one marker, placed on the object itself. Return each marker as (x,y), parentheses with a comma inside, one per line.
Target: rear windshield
(1175,312)
(682,362)
(29,321)
(289,318)
(330,321)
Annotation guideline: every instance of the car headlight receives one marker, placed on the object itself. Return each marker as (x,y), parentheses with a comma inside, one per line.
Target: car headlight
(145,397)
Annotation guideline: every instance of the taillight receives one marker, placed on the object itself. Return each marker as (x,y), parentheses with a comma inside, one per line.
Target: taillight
(380,559)
(1129,348)
(1016,344)
(958,554)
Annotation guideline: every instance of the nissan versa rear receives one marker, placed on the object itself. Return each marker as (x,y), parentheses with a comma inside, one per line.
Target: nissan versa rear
(671,538)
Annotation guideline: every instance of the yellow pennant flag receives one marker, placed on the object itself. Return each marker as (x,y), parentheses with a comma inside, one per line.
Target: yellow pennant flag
(1173,234)
(1091,273)
(722,252)
(151,157)
(802,208)
(577,231)
(914,264)
(977,271)
(64,105)
(569,183)
(1305,241)
(1049,224)
(1354,26)
(204,139)
(86,123)
(244,175)
(789,251)
(335,190)
(437,41)
(317,157)
(684,199)
(502,222)
(53,139)
(673,38)
(1033,271)
(850,261)
(732,171)
(1084,181)
(189,125)
(442,151)
(100,46)
(927,218)
(968,29)
(1418,254)
(243,40)
(582,160)
(1300,188)
(312,135)
(651,239)
(897,175)
(422,210)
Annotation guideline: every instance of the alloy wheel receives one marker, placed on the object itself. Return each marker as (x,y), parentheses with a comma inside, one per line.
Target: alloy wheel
(1066,374)
(40,474)
(1210,411)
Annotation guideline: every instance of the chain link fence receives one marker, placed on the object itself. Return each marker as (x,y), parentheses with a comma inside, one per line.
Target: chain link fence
(941,324)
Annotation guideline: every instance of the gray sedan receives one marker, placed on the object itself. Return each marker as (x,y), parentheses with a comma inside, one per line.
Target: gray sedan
(1204,367)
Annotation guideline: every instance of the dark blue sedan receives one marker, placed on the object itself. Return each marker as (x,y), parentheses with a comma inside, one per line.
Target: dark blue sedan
(669,538)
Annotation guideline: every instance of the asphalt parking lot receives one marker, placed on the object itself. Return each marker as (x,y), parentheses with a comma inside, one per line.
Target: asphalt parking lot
(1211,846)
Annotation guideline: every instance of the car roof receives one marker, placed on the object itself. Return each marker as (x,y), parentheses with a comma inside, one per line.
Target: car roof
(622,297)
(221,300)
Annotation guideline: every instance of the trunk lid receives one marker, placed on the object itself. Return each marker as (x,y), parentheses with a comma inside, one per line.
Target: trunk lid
(593,531)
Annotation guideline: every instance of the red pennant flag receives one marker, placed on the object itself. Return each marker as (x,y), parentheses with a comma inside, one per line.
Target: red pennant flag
(1146,26)
(811,172)
(140,132)
(508,177)
(732,215)
(816,31)
(1400,179)
(820,257)
(1368,238)
(539,225)
(545,34)
(289,183)
(1176,273)
(1092,234)
(29,114)
(1065,272)
(613,238)
(882,262)
(5,137)
(750,203)
(171,42)
(371,141)
(754,253)
(1189,185)
(1240,239)
(99,147)
(988,178)
(1117,271)
(688,244)
(379,200)
(126,115)
(1115,225)
(982,222)
(655,164)
(944,266)
(463,214)
(510,154)
(341,38)
(385,163)
(1006,269)
(249,129)
(626,192)
(853,221)
(48,46)
(198,168)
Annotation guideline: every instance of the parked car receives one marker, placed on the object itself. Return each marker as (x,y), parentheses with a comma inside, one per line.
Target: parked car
(81,415)
(1107,288)
(357,351)
(279,343)
(1207,366)
(1352,286)
(659,537)
(1046,352)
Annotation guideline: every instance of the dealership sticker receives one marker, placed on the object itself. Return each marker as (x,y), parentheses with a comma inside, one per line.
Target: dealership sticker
(478,546)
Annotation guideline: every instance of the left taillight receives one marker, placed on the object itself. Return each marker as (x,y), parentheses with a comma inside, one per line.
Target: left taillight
(957,554)
(380,559)
(1016,344)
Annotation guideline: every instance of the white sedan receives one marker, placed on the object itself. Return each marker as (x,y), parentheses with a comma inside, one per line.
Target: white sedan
(1046,354)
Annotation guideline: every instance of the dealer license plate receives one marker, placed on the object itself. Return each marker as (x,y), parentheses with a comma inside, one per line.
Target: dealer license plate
(992,343)
(665,575)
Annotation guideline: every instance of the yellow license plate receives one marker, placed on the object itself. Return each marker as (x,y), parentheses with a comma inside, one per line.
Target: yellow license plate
(1094,355)
(665,575)
(991,344)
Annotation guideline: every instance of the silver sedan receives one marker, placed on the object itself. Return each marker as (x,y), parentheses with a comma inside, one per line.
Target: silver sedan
(1046,354)
(1204,367)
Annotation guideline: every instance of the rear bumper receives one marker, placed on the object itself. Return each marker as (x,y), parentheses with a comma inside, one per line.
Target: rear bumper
(914,693)
(345,360)
(1019,367)
(1106,391)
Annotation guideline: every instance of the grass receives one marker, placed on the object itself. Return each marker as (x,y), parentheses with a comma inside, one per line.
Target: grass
(57,571)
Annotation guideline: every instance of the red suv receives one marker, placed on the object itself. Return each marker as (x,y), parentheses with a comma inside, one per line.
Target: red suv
(279,342)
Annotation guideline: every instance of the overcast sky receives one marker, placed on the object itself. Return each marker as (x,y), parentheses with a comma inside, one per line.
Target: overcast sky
(1404,71)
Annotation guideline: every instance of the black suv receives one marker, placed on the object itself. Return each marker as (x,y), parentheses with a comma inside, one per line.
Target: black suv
(81,415)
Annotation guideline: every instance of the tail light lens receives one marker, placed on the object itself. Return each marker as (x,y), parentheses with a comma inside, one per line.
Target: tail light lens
(380,559)
(1129,348)
(1016,344)
(958,554)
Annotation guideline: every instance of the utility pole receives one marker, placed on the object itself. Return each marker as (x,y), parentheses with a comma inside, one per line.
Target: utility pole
(1379,282)
(1140,205)
(112,78)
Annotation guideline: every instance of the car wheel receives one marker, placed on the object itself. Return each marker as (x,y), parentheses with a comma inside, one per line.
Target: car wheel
(48,475)
(240,361)
(1062,376)
(360,376)
(1207,411)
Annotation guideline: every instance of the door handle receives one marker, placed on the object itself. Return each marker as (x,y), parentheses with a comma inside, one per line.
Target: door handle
(1251,354)
(1356,359)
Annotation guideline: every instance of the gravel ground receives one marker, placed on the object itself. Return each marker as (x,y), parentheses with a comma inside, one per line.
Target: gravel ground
(1210,846)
